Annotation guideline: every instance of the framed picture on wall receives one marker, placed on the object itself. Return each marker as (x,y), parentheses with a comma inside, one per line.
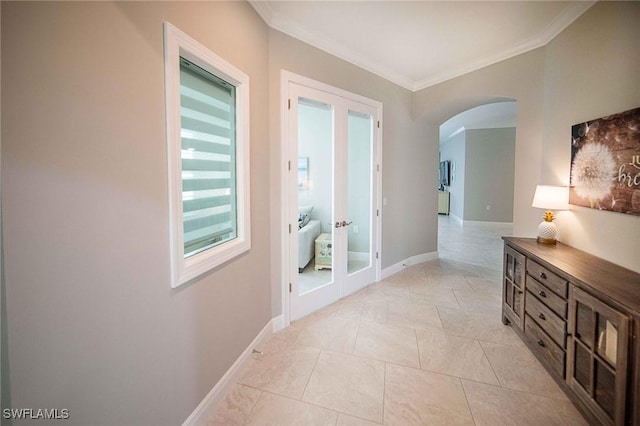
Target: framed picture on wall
(605,163)
(303,173)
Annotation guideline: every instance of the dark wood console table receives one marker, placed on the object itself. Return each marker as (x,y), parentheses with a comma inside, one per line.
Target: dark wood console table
(580,316)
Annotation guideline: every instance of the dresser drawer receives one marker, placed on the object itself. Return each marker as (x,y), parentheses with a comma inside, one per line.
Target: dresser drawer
(549,298)
(551,354)
(552,281)
(551,323)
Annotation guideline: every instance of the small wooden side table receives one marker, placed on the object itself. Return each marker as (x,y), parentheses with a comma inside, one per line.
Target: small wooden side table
(324,250)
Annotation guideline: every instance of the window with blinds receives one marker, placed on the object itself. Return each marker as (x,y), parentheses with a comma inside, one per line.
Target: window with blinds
(207,105)
(207,134)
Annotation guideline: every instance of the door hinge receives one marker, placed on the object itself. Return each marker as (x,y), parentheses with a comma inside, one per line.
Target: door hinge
(289,228)
(378,124)
(290,288)
(289,166)
(378,167)
(289,106)
(377,212)
(377,255)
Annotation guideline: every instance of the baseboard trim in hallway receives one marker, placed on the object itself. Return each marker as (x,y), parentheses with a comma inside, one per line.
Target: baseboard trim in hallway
(413,260)
(210,402)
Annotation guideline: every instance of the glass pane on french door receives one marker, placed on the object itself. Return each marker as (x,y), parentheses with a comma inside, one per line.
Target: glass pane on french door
(359,190)
(315,194)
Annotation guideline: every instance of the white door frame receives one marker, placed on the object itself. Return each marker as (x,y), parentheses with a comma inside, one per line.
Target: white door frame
(285,196)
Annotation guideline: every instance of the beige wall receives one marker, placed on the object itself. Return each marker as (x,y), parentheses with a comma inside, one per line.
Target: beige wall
(521,79)
(454,150)
(93,325)
(488,175)
(483,176)
(592,70)
(409,157)
(5,400)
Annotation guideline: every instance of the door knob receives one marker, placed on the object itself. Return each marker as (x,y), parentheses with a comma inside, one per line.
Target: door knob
(345,223)
(338,224)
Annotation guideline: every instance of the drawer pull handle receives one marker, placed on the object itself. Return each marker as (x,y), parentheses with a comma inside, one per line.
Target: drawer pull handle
(543,276)
(541,342)
(541,316)
(542,293)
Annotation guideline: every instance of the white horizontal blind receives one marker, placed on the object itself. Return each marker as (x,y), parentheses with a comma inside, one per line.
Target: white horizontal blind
(207,133)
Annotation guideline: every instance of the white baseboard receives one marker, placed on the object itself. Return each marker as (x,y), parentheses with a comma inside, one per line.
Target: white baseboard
(414,260)
(356,255)
(278,323)
(457,219)
(207,407)
(463,222)
(482,222)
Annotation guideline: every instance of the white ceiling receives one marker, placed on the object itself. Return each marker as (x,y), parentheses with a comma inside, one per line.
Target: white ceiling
(489,116)
(417,44)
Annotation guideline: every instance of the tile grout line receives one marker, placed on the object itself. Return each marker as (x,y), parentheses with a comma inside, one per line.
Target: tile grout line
(464,391)
(440,373)
(456,297)
(316,404)
(384,391)
(440,317)
(248,416)
(503,386)
(315,364)
(418,348)
(338,412)
(491,364)
(493,370)
(355,341)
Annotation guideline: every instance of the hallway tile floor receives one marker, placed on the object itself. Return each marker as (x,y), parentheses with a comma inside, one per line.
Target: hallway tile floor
(424,346)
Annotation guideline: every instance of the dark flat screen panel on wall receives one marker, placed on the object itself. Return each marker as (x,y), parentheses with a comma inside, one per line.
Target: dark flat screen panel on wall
(444,173)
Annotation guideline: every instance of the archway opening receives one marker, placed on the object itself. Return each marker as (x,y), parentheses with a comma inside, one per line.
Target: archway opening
(476,180)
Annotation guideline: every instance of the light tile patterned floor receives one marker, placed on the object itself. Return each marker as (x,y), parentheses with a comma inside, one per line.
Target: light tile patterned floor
(425,346)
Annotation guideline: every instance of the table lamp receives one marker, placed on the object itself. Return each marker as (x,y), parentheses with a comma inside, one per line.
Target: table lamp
(550,197)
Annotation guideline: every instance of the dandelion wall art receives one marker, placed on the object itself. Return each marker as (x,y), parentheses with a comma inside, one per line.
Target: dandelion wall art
(605,163)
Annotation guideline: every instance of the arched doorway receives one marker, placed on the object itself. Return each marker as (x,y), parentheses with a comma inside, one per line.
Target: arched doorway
(477,165)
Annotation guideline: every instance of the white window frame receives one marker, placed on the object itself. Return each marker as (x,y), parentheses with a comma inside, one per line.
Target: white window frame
(178,44)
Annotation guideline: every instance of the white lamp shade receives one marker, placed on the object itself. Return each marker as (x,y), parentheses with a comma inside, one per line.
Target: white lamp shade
(551,197)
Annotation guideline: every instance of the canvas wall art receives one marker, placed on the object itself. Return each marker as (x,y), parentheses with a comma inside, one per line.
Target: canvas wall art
(605,163)
(303,173)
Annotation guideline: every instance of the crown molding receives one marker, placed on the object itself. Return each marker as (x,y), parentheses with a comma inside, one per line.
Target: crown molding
(566,18)
(335,48)
(531,44)
(573,12)
(264,10)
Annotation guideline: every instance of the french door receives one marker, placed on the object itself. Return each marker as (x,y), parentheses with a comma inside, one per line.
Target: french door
(333,149)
